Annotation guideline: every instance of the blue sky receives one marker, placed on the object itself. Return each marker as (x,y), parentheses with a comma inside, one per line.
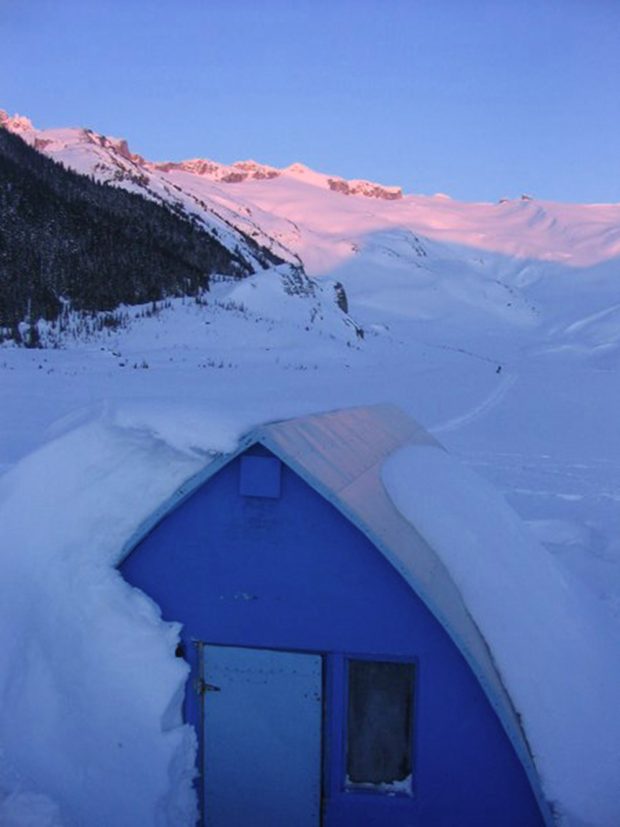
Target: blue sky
(474,98)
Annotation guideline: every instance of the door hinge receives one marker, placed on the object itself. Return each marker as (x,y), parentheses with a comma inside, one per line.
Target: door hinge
(202,686)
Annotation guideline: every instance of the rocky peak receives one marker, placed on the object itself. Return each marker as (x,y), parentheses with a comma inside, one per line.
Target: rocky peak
(118,146)
(255,170)
(228,174)
(368,189)
(17,123)
(365,188)
(197,166)
(298,169)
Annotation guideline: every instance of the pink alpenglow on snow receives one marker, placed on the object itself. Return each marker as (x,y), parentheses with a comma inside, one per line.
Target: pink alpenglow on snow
(298,197)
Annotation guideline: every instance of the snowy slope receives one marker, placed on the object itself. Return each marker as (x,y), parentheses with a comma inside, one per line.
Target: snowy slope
(284,204)
(522,262)
(495,325)
(109,160)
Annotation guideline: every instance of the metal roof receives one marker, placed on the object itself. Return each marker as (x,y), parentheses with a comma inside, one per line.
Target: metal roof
(340,454)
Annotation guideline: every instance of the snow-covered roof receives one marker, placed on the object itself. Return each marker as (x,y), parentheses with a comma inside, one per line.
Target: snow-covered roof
(341,454)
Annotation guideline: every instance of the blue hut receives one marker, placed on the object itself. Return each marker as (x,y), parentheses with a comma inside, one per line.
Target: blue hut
(337,677)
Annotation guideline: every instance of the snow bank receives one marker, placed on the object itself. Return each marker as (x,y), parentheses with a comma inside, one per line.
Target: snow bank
(90,691)
(554,649)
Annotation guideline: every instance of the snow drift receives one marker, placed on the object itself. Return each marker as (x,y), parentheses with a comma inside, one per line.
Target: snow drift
(91,691)
(555,653)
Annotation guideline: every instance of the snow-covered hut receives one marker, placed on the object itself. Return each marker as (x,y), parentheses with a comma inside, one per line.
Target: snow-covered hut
(337,676)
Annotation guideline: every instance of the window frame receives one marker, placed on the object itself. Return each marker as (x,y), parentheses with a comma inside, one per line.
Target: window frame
(336,733)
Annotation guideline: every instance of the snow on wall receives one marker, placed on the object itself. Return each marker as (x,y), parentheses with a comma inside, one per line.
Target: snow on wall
(90,690)
(556,653)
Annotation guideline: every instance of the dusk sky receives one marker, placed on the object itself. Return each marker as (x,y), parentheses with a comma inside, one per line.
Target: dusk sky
(475,98)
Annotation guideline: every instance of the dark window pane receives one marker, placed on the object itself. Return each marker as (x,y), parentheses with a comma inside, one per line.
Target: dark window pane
(379,723)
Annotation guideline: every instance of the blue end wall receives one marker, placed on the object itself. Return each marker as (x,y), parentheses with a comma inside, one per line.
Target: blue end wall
(292,573)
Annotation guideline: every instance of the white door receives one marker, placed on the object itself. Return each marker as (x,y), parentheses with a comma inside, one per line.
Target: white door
(262,738)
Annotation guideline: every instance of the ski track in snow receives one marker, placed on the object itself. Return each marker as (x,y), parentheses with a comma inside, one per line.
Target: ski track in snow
(491,401)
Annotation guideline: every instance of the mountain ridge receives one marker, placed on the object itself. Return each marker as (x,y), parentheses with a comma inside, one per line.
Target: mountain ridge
(277,207)
(66,240)
(236,172)
(427,258)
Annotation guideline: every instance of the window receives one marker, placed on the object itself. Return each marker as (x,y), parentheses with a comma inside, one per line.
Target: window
(380,725)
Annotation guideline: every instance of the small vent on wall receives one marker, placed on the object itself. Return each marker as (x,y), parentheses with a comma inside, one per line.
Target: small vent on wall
(260,477)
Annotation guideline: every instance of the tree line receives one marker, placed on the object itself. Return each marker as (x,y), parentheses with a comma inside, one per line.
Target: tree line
(69,241)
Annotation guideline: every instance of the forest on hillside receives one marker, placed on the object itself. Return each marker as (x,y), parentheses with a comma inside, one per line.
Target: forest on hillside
(69,242)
